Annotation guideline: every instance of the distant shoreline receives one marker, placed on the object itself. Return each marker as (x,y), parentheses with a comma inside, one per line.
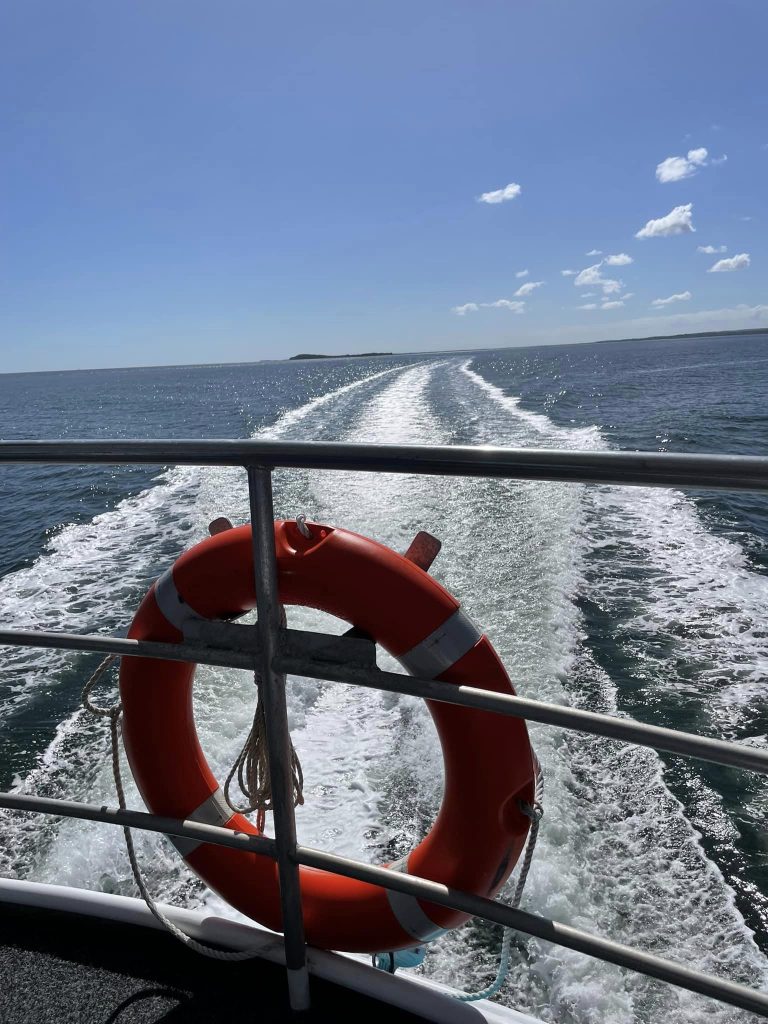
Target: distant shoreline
(345,355)
(676,337)
(359,355)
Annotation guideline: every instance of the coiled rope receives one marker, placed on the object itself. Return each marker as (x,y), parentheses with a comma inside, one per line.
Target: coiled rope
(535,812)
(252,766)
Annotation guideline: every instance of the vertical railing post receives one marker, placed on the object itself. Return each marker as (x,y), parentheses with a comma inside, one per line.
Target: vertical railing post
(278,738)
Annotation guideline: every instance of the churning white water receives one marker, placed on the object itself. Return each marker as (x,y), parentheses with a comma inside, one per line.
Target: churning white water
(617,854)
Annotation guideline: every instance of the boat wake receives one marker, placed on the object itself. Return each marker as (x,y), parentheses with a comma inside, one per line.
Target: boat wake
(548,570)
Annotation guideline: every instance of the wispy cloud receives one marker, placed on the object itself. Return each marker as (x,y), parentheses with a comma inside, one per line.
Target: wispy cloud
(710,250)
(527,288)
(677,222)
(501,195)
(615,304)
(621,259)
(473,307)
(594,252)
(680,297)
(717,160)
(569,273)
(675,168)
(513,307)
(522,273)
(593,276)
(588,305)
(738,262)
(589,295)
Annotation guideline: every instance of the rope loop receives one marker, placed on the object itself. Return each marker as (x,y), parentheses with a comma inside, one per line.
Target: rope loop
(535,812)
(96,709)
(113,712)
(251,767)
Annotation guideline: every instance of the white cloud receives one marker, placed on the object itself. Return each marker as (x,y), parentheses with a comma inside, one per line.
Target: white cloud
(522,273)
(527,288)
(738,262)
(627,295)
(612,305)
(676,222)
(501,195)
(592,276)
(675,168)
(710,250)
(717,160)
(589,275)
(588,305)
(473,307)
(513,307)
(680,297)
(569,273)
(589,295)
(619,260)
(594,252)
(610,287)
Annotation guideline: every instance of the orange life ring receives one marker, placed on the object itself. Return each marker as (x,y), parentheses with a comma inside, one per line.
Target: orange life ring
(489,765)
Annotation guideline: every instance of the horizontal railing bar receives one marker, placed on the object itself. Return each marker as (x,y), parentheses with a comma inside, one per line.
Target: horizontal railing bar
(127,648)
(541,927)
(188,829)
(734,755)
(421,888)
(649,469)
(629,730)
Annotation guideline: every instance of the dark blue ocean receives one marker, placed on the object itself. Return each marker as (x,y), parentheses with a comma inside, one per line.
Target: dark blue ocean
(646,603)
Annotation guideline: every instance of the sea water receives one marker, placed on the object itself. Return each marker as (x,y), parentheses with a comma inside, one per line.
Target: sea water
(648,603)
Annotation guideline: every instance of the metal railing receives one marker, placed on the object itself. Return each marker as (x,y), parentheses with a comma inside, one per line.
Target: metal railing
(272,652)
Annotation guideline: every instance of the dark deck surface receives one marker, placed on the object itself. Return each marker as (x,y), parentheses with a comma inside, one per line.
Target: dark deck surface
(58,967)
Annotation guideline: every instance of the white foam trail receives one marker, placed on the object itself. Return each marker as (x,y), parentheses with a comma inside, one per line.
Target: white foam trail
(699,596)
(89,580)
(587,437)
(88,575)
(617,854)
(699,593)
(291,417)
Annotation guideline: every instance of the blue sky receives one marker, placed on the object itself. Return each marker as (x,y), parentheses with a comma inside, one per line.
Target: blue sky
(198,182)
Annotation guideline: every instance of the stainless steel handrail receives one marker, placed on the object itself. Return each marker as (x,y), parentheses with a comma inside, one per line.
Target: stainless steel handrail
(272,656)
(672,741)
(413,885)
(648,469)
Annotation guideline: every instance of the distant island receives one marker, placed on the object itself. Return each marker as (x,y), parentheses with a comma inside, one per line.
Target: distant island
(692,334)
(345,355)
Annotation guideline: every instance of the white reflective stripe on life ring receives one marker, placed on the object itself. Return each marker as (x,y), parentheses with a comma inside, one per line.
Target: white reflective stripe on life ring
(213,811)
(442,648)
(172,604)
(408,912)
